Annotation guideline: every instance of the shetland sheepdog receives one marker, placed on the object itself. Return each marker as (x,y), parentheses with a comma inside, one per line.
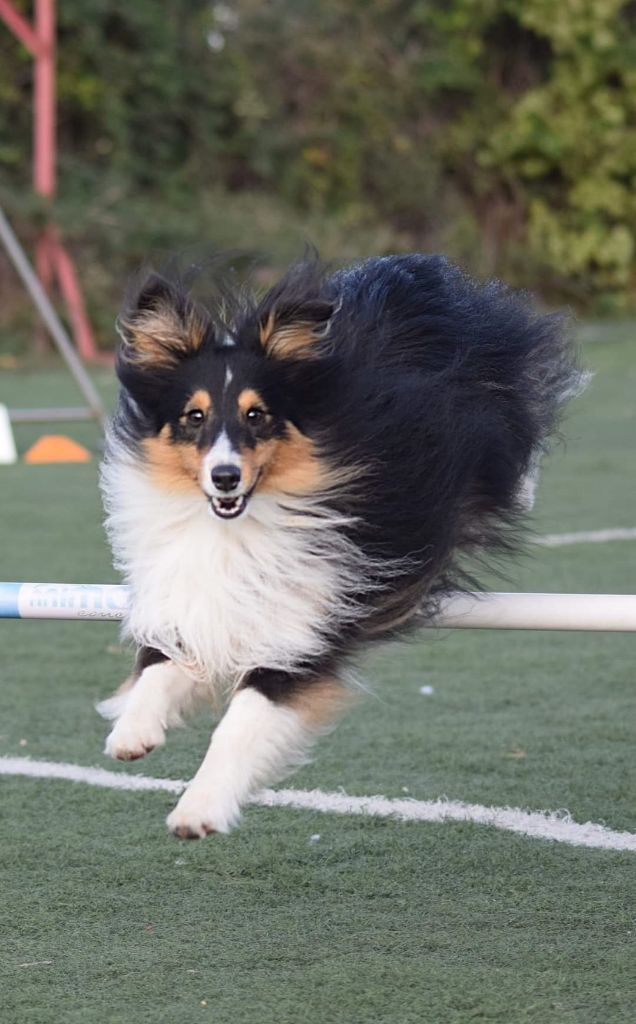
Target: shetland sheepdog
(292,478)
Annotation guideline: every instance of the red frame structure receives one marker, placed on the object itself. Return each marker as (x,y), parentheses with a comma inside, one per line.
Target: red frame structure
(52,260)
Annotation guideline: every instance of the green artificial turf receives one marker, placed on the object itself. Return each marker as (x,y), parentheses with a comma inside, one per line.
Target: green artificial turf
(376,921)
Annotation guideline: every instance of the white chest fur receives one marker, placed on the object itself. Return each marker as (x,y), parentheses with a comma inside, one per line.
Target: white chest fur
(223,598)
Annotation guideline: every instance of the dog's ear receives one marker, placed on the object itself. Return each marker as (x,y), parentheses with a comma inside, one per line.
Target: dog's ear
(296,330)
(159,326)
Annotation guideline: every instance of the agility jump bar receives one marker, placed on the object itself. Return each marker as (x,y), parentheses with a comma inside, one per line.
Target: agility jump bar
(607,613)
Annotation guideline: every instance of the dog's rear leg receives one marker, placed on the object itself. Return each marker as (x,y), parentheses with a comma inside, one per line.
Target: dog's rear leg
(269,728)
(145,705)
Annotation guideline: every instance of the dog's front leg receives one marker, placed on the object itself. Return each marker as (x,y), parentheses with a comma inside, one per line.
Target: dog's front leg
(269,728)
(146,705)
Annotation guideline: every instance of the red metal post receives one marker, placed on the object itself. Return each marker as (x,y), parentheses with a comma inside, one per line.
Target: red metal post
(75,301)
(44,112)
(18,25)
(51,255)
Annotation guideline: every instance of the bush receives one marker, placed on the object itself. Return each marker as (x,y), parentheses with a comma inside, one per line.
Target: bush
(501,131)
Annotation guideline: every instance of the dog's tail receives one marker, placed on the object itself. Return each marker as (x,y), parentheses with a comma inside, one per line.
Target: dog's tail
(501,371)
(483,378)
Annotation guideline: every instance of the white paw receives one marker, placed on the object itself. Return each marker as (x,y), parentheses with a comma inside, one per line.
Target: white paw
(130,740)
(201,812)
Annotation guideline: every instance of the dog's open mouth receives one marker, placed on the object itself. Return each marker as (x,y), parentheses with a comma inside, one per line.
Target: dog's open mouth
(228,508)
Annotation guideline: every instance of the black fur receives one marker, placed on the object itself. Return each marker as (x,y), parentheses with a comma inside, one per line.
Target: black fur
(439,391)
(147,656)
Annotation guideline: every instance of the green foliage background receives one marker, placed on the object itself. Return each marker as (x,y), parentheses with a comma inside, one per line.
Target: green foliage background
(500,131)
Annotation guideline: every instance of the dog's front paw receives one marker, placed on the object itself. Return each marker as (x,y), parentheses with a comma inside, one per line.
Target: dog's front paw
(201,812)
(129,741)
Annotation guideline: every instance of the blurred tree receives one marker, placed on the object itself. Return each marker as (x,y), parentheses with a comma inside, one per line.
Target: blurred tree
(503,131)
(559,157)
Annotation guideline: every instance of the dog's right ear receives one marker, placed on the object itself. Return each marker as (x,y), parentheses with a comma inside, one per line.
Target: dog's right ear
(296,329)
(159,326)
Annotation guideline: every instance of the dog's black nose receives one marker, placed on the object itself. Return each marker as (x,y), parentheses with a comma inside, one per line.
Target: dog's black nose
(226,478)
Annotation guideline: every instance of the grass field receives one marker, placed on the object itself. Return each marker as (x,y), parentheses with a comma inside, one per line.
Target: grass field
(108,919)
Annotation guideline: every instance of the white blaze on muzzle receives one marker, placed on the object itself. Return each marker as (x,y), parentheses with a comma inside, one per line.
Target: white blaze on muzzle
(221,478)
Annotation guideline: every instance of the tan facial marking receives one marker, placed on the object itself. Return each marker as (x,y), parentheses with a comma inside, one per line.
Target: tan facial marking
(174,467)
(201,399)
(292,465)
(254,463)
(249,398)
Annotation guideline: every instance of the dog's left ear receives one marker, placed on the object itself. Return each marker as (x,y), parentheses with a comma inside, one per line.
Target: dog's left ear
(159,326)
(297,330)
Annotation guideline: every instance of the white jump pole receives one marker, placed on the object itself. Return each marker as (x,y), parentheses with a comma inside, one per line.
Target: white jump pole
(606,613)
(579,612)
(97,601)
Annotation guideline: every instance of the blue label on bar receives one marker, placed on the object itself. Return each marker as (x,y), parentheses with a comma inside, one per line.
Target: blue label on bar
(9,594)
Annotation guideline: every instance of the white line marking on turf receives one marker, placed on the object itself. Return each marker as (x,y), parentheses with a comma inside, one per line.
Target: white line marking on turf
(560,540)
(555,825)
(92,776)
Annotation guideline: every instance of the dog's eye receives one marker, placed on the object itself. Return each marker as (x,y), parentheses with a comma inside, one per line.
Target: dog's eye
(255,415)
(195,417)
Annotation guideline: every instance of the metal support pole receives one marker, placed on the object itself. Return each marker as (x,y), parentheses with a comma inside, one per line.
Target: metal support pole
(70,414)
(52,321)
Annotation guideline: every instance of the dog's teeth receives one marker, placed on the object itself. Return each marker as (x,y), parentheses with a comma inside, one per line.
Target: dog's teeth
(228,508)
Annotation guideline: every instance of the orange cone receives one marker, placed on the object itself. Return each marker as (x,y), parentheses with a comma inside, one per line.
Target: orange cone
(56,448)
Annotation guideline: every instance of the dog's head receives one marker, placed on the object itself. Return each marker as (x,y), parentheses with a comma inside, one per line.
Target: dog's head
(210,404)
